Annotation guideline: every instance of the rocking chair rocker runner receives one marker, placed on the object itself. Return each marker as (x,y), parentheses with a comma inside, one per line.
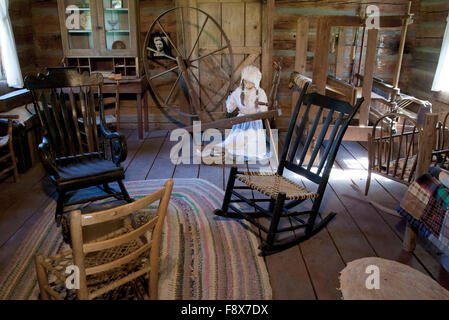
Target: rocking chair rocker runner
(73,149)
(278,188)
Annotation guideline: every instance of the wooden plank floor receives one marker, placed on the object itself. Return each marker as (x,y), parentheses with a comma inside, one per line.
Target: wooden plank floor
(309,270)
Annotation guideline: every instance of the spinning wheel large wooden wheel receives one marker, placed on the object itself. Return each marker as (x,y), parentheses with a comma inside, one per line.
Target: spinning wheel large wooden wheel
(189,64)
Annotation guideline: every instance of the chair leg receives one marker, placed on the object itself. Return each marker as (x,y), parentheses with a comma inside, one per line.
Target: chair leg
(107,188)
(278,210)
(227,197)
(126,196)
(313,214)
(42,278)
(11,151)
(59,207)
(368,181)
(313,228)
(271,206)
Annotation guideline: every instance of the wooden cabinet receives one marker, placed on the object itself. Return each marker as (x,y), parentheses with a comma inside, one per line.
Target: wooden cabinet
(101,35)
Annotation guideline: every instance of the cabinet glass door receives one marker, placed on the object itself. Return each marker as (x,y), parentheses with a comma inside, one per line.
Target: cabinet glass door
(117,27)
(78,22)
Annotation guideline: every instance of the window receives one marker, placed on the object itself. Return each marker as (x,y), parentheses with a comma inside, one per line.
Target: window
(441,78)
(2,72)
(9,57)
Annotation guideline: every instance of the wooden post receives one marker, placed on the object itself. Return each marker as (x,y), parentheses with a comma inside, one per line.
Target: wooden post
(406,22)
(267,43)
(425,145)
(368,73)
(302,34)
(320,60)
(340,59)
(117,106)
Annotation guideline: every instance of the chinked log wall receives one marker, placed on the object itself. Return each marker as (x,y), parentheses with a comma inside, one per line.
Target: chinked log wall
(20,14)
(426,51)
(421,52)
(285,25)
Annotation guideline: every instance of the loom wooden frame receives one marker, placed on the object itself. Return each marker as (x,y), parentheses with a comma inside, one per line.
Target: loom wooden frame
(338,88)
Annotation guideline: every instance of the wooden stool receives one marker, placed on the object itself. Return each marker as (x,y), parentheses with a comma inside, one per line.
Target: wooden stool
(397,281)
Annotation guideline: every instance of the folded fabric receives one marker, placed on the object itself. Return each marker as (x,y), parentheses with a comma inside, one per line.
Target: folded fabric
(441,174)
(425,205)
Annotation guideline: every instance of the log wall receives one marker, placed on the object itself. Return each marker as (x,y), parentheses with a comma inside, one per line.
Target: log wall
(37,32)
(287,13)
(20,14)
(426,50)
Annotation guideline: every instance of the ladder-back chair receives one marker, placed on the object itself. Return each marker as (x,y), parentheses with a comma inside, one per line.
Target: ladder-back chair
(279,188)
(113,260)
(6,143)
(74,148)
(393,148)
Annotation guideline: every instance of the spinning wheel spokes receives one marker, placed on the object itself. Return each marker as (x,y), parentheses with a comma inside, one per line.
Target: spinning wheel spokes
(208,54)
(198,38)
(162,73)
(192,76)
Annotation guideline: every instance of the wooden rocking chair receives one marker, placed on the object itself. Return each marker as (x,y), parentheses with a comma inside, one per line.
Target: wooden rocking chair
(279,188)
(74,148)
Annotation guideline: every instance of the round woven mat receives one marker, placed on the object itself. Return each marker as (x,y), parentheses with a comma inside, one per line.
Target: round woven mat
(397,281)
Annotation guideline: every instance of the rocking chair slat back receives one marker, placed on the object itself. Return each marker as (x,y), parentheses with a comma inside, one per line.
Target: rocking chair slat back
(75,120)
(312,141)
(67,108)
(328,146)
(66,121)
(320,138)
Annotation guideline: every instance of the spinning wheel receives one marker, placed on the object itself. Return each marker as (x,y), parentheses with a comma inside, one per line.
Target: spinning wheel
(189,65)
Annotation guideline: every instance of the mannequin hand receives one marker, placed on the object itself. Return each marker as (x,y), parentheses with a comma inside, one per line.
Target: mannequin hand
(232,108)
(233,113)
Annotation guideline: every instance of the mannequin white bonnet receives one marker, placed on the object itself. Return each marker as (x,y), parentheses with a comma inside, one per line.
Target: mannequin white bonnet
(251,74)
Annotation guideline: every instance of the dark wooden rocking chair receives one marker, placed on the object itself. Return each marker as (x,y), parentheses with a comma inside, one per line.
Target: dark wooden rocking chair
(279,188)
(73,149)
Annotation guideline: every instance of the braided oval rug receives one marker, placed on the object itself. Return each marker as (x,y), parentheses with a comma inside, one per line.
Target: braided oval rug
(202,256)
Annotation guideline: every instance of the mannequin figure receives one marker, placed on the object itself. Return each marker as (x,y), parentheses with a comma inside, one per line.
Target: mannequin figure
(247,141)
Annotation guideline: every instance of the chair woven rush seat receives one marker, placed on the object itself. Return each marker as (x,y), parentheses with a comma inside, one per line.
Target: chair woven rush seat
(321,145)
(126,253)
(271,184)
(98,282)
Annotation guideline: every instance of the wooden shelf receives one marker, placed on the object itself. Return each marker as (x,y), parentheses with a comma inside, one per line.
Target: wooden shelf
(79,31)
(116,9)
(80,9)
(117,31)
(126,66)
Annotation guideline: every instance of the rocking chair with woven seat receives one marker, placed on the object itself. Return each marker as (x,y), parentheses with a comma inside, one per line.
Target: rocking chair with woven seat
(74,148)
(279,188)
(123,255)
